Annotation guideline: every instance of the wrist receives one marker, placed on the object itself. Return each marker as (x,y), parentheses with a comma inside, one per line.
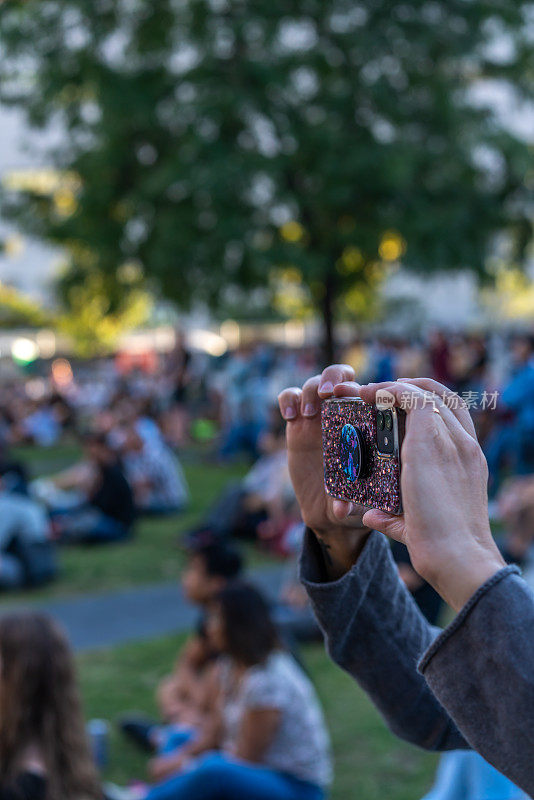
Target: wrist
(177,759)
(457,577)
(341,548)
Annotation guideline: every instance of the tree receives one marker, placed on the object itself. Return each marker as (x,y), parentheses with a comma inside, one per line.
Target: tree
(16,309)
(216,146)
(87,322)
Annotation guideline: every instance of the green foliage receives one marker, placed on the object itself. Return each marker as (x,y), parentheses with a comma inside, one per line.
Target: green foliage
(93,321)
(87,319)
(16,309)
(219,142)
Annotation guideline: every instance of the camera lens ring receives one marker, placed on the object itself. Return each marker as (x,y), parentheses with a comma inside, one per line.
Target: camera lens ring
(380,421)
(388,420)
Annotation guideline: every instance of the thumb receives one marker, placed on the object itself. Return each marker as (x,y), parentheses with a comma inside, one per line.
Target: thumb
(390,524)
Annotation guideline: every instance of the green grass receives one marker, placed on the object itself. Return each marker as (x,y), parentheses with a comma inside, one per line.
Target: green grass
(153,555)
(370,763)
(43,461)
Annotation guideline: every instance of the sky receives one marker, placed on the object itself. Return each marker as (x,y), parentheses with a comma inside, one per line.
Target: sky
(31,265)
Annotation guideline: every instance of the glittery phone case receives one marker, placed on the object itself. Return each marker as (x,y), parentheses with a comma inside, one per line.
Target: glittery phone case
(379,486)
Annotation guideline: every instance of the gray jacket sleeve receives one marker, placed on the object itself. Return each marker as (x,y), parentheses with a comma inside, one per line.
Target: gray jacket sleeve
(476,677)
(375,631)
(481,668)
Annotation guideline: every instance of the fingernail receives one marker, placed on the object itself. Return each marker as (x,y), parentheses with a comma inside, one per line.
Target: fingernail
(349,509)
(327,388)
(289,412)
(309,410)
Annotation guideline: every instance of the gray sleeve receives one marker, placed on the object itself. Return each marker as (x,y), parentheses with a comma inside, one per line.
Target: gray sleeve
(482,669)
(375,631)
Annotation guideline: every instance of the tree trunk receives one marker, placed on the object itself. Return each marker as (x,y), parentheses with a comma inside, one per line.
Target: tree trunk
(329,339)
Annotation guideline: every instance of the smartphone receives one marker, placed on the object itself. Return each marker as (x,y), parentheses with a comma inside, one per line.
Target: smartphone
(361,452)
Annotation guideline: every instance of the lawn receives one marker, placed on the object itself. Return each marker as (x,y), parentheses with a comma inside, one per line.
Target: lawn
(153,556)
(370,763)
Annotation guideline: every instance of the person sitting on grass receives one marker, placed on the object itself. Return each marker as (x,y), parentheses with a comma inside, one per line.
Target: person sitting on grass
(154,472)
(271,741)
(44,753)
(263,495)
(27,554)
(107,512)
(184,697)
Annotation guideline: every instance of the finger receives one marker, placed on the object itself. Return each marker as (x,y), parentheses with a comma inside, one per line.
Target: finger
(335,373)
(310,402)
(390,524)
(341,509)
(402,393)
(451,399)
(347,389)
(413,400)
(289,402)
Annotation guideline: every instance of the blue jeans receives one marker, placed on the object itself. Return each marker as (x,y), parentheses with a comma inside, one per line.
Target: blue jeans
(215,776)
(89,525)
(171,738)
(11,572)
(159,510)
(464,775)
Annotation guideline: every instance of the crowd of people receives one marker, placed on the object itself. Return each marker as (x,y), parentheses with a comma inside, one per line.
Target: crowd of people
(235,707)
(238,709)
(133,427)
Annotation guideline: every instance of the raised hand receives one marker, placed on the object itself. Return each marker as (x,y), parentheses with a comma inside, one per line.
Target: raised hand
(443,480)
(337,524)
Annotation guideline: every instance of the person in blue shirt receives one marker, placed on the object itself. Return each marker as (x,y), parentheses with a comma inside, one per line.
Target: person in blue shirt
(512,441)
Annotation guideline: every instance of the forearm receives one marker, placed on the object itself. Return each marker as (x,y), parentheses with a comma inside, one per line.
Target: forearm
(481,669)
(375,632)
(167,692)
(258,731)
(339,553)
(457,571)
(209,739)
(253,751)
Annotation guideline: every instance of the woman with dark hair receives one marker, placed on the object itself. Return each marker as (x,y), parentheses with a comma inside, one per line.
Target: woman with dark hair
(44,754)
(272,740)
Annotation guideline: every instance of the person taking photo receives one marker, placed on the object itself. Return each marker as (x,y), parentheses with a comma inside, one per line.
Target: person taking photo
(471,685)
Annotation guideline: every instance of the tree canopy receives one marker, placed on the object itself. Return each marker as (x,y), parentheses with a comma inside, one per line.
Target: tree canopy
(233,152)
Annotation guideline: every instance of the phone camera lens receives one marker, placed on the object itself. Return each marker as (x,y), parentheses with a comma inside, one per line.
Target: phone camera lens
(380,420)
(389,421)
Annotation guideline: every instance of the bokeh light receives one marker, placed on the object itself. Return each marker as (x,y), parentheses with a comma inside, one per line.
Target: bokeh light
(392,246)
(62,372)
(24,351)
